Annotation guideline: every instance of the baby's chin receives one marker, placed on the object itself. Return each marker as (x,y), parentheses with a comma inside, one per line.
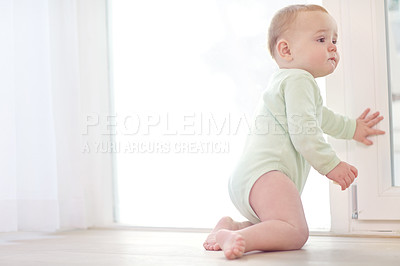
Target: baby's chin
(329,69)
(320,74)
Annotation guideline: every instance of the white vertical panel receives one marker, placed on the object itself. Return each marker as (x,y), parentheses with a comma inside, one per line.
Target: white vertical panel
(365,85)
(65,98)
(8,168)
(94,92)
(36,151)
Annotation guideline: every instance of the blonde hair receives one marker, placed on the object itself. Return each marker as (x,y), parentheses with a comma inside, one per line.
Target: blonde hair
(282,20)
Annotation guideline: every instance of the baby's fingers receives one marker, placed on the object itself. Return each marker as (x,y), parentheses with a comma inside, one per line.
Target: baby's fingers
(373,132)
(354,170)
(371,117)
(364,114)
(367,141)
(374,121)
(343,185)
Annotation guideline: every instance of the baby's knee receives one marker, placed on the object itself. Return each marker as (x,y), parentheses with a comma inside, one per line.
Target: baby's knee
(300,238)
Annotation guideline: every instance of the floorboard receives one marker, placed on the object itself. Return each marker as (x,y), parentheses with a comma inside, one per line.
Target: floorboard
(145,248)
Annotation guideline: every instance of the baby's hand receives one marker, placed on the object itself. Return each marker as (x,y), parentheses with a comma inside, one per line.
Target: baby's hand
(364,127)
(343,174)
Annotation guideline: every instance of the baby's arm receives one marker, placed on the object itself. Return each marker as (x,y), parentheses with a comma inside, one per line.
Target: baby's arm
(337,125)
(300,109)
(340,126)
(301,98)
(344,174)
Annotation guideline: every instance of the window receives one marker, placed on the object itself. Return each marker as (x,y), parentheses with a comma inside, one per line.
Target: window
(186,76)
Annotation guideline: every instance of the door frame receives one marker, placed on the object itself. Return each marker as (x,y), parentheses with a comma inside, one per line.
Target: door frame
(361,81)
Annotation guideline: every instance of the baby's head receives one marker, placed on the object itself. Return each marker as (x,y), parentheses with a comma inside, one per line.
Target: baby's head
(304,37)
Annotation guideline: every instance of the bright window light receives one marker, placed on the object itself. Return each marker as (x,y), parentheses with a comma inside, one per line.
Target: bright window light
(186,78)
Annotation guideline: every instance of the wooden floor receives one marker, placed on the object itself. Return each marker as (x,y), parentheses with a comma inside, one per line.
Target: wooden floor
(142,248)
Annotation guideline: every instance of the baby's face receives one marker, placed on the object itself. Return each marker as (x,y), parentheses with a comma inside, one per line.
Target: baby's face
(312,41)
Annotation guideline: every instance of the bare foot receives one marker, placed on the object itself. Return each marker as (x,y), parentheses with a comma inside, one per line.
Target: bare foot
(225,223)
(232,243)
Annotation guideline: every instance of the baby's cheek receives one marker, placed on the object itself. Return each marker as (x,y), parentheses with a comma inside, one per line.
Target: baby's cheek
(316,60)
(337,58)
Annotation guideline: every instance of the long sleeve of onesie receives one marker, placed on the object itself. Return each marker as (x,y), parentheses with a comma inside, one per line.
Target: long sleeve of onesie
(336,125)
(306,117)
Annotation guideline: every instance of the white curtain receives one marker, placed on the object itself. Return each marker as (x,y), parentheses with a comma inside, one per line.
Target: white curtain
(46,182)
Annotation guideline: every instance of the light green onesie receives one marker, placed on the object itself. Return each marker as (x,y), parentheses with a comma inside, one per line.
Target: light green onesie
(287,135)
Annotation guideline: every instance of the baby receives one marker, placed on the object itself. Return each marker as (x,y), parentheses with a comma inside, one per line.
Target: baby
(287,137)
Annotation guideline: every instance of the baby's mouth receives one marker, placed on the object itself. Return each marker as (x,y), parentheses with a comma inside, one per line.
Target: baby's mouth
(332,60)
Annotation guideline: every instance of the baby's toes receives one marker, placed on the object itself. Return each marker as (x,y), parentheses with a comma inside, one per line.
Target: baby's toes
(238,251)
(212,247)
(229,254)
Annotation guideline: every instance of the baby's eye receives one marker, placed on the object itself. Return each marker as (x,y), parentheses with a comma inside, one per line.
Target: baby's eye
(334,41)
(321,40)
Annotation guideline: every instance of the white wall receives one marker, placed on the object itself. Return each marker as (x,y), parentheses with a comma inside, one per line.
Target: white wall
(95,101)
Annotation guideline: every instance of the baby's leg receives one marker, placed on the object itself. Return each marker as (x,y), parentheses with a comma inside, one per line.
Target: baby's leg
(283,226)
(225,223)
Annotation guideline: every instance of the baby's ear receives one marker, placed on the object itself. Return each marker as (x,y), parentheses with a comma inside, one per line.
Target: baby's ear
(283,50)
